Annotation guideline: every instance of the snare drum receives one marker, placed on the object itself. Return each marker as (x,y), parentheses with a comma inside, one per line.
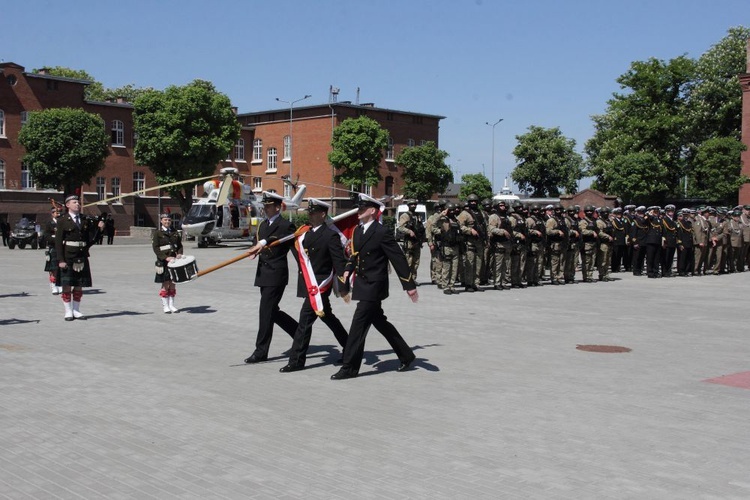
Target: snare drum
(183,269)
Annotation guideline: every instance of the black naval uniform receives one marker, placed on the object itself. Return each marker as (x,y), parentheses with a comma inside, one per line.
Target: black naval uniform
(272,276)
(372,250)
(685,251)
(323,247)
(72,243)
(669,232)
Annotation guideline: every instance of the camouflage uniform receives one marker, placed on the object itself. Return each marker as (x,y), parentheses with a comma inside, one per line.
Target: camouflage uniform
(500,231)
(413,231)
(472,230)
(432,234)
(450,237)
(590,236)
(557,238)
(606,242)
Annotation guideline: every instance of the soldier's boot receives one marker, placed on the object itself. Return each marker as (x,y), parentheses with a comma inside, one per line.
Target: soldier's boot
(170,301)
(77,295)
(68,307)
(164,301)
(53,288)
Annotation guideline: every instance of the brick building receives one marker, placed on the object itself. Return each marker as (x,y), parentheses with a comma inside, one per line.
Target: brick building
(745,84)
(270,146)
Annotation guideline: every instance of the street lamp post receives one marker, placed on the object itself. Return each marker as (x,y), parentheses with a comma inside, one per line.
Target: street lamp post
(291,111)
(493,153)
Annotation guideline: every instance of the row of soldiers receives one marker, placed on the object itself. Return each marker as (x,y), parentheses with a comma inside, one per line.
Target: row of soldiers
(505,246)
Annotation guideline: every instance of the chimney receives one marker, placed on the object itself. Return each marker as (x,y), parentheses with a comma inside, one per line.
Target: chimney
(234,110)
(121,100)
(44,71)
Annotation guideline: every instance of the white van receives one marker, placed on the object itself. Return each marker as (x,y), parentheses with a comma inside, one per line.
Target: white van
(421,213)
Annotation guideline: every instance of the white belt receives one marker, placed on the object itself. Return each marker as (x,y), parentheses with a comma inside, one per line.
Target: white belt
(165,247)
(78,244)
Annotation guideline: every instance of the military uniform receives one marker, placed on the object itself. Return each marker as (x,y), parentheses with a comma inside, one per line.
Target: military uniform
(557,237)
(473,236)
(716,253)
(685,255)
(590,236)
(519,252)
(166,244)
(450,239)
(432,234)
(669,232)
(574,245)
(411,228)
(745,223)
(620,244)
(606,232)
(50,261)
(733,232)
(701,243)
(638,233)
(535,249)
(500,231)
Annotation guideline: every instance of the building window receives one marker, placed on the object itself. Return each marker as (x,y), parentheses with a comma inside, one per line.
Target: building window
(115,186)
(272,157)
(287,148)
(2,123)
(410,143)
(2,174)
(51,84)
(118,133)
(257,184)
(389,116)
(389,186)
(287,190)
(101,187)
(140,219)
(26,181)
(239,150)
(422,142)
(389,151)
(257,151)
(139,181)
(24,117)
(366,189)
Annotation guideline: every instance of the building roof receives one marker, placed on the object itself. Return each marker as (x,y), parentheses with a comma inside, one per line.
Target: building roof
(342,104)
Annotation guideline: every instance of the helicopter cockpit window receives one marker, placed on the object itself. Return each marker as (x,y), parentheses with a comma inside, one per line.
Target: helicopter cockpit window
(201,211)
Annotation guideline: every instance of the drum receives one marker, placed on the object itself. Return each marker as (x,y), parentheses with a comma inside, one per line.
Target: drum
(183,269)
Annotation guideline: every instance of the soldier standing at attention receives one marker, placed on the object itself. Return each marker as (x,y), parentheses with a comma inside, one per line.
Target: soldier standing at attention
(620,244)
(518,254)
(167,245)
(535,256)
(572,253)
(606,242)
(716,253)
(590,237)
(638,234)
(557,236)
(486,260)
(373,247)
(733,230)
(669,230)
(51,262)
(412,229)
(500,230)
(432,234)
(271,276)
(473,247)
(684,243)
(701,241)
(450,241)
(653,241)
(76,233)
(745,223)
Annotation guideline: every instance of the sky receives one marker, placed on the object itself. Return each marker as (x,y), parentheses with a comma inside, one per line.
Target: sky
(548,63)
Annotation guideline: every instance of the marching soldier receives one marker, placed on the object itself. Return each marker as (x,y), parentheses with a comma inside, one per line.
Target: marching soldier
(590,237)
(51,262)
(412,229)
(76,233)
(606,241)
(684,243)
(669,230)
(167,245)
(500,230)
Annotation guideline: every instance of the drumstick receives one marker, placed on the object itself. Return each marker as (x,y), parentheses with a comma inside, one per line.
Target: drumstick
(238,258)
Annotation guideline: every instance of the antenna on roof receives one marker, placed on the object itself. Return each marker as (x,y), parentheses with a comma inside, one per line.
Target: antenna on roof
(357,101)
(333,93)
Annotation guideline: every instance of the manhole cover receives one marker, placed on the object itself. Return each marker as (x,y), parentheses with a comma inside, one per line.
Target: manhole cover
(603,348)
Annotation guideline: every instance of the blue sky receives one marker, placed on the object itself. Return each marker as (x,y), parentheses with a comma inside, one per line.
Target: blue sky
(551,63)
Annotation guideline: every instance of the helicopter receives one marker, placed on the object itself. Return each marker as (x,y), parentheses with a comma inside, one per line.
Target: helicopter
(230,211)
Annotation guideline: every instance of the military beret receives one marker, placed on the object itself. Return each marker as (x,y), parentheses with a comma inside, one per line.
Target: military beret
(71,198)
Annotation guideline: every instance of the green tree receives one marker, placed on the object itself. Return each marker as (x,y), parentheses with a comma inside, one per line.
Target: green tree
(425,171)
(357,149)
(477,184)
(65,147)
(715,119)
(547,161)
(716,169)
(648,121)
(183,133)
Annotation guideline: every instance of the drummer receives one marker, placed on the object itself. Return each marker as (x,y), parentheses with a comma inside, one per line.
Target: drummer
(167,245)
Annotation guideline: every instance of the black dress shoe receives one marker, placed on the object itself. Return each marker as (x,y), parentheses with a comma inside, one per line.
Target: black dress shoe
(291,368)
(405,365)
(343,375)
(68,318)
(255,359)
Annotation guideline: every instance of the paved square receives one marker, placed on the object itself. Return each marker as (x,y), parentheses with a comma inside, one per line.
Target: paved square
(137,404)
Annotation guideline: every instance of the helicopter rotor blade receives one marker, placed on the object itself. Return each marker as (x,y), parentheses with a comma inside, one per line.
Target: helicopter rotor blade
(223,196)
(141,191)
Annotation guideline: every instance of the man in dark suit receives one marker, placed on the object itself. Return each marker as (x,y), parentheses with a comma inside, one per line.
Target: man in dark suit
(373,246)
(272,275)
(321,263)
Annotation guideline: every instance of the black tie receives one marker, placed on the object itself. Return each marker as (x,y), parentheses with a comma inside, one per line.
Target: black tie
(78,222)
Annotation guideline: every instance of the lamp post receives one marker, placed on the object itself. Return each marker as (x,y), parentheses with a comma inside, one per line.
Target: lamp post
(291,110)
(493,152)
